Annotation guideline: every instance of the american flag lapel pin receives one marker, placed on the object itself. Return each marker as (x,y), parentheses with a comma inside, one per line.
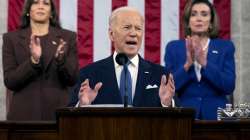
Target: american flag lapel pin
(215,52)
(54,43)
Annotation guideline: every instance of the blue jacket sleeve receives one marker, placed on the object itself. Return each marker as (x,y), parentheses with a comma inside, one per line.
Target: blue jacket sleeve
(222,78)
(174,50)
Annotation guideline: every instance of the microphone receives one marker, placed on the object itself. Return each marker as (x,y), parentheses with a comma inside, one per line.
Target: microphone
(122,59)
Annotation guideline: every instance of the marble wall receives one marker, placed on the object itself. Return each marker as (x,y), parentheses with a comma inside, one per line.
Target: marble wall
(241,38)
(3,23)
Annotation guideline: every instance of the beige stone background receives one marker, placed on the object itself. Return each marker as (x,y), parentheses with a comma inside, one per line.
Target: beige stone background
(240,35)
(241,38)
(3,23)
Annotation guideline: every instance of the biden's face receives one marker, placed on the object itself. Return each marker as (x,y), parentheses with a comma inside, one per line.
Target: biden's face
(126,32)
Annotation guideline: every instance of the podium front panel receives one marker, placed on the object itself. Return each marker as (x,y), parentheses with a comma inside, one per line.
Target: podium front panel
(125,123)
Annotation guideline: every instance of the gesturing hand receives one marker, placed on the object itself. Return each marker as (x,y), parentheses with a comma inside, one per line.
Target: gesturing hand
(35,49)
(60,52)
(199,53)
(189,53)
(86,94)
(167,90)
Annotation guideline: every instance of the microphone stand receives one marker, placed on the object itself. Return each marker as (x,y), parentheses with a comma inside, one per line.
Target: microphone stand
(122,59)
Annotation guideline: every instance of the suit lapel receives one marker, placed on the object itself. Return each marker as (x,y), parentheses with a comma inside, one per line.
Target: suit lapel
(24,39)
(50,48)
(210,48)
(212,51)
(108,77)
(144,74)
(109,67)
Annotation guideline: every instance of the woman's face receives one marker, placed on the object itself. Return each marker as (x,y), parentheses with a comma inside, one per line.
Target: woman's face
(200,18)
(40,11)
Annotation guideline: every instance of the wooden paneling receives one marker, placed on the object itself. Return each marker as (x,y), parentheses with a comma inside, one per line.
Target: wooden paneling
(3,134)
(28,130)
(221,130)
(125,123)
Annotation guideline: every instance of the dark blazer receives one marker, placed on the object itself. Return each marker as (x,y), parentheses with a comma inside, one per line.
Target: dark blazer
(104,71)
(218,77)
(38,89)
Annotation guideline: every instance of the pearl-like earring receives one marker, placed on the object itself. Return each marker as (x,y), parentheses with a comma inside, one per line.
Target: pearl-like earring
(210,28)
(27,14)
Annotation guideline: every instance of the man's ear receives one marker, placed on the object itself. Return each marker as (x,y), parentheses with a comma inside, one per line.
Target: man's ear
(111,34)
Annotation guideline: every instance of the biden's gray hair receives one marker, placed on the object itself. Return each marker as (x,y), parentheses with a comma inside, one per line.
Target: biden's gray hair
(120,10)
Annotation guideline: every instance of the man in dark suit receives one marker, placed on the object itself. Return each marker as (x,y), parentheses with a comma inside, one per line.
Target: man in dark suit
(99,82)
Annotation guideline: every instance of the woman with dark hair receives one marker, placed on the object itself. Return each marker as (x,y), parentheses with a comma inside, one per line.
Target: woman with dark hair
(203,65)
(25,18)
(39,63)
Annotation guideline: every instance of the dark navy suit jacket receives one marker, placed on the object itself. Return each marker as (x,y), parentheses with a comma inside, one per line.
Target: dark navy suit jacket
(218,77)
(104,71)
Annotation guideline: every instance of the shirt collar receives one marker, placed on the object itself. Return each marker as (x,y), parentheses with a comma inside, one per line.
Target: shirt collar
(206,46)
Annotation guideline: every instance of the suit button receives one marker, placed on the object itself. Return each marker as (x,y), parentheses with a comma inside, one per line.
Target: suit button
(199,98)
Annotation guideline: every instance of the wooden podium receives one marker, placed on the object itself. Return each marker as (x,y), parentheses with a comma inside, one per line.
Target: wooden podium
(125,123)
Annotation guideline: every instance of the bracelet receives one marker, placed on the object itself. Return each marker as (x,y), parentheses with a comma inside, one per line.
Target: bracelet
(34,61)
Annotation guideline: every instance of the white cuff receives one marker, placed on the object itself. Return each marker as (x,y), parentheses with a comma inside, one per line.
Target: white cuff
(173,104)
(78,104)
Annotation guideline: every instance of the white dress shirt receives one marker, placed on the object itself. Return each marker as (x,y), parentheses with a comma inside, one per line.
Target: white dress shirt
(133,69)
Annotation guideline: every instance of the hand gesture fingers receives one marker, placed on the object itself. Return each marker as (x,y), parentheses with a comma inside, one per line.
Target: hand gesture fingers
(35,48)
(199,53)
(171,83)
(86,94)
(84,86)
(97,87)
(189,53)
(34,41)
(167,90)
(60,49)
